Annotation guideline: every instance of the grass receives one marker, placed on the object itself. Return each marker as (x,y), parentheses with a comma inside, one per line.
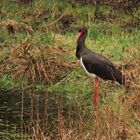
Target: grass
(59,98)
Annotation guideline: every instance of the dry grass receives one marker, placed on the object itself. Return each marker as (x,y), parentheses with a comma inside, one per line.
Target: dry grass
(132,68)
(104,124)
(13,26)
(35,63)
(132,74)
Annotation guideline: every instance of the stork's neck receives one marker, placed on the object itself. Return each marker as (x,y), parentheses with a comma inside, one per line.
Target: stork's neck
(80,45)
(81,41)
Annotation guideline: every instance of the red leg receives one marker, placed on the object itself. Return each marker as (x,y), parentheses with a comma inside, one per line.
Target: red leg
(95,103)
(95,95)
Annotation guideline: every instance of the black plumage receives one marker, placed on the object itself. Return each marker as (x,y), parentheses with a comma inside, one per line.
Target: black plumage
(95,63)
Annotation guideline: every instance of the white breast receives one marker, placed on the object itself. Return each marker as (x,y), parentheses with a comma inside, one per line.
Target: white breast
(90,74)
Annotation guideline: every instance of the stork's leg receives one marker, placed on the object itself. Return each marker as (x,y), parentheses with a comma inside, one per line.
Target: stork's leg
(95,95)
(95,103)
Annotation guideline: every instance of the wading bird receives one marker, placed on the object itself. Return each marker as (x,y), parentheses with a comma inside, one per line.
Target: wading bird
(96,65)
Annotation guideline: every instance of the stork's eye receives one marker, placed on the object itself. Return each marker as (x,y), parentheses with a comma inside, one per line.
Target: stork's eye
(80,30)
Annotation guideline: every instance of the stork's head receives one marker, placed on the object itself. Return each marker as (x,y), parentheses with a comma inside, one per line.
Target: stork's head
(82,32)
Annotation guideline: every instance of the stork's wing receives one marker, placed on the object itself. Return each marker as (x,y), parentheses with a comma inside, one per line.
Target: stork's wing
(96,57)
(102,67)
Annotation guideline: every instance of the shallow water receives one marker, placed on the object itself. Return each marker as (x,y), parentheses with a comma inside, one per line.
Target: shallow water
(10,104)
(33,108)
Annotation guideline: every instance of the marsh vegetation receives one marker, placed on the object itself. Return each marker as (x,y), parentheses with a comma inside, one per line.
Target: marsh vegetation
(44,92)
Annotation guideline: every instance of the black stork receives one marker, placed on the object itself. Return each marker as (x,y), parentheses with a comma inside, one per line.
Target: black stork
(96,65)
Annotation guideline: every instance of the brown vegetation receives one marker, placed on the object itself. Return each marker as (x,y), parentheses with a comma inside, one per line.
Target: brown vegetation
(12,26)
(35,63)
